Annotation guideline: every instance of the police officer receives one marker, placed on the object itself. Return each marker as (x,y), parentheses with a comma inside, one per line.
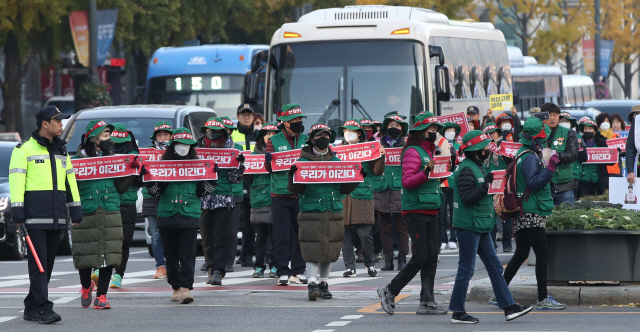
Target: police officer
(40,171)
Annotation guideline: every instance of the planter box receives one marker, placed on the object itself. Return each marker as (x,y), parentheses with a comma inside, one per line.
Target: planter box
(596,255)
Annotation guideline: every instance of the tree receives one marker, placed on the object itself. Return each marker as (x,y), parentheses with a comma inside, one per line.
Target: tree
(620,20)
(28,28)
(451,8)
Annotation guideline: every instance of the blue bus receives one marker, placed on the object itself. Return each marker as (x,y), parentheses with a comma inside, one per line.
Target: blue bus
(220,77)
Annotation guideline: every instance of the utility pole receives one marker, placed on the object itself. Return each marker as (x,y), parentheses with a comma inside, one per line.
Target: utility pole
(93,42)
(596,75)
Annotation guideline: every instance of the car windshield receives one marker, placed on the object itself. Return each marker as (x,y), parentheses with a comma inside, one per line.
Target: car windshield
(5,158)
(65,106)
(142,129)
(337,81)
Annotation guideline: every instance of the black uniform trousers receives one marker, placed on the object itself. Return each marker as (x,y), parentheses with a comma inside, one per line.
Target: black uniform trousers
(180,253)
(286,246)
(215,229)
(46,244)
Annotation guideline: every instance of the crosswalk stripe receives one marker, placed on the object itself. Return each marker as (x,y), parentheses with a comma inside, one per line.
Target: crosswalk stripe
(65,299)
(16,282)
(7,318)
(26,276)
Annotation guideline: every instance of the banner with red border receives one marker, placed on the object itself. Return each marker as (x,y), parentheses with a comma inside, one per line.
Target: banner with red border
(497,186)
(150,154)
(602,156)
(224,158)
(617,143)
(282,161)
(392,156)
(104,167)
(509,149)
(328,172)
(254,164)
(441,168)
(179,170)
(358,152)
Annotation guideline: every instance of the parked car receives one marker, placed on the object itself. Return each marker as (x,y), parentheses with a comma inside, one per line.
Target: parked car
(13,245)
(65,104)
(140,120)
(622,107)
(10,137)
(577,114)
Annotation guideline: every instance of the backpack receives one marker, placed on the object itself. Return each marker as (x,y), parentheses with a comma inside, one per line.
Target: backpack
(509,205)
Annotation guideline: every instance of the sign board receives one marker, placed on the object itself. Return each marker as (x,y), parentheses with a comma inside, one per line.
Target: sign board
(502,102)
(225,158)
(358,152)
(392,156)
(617,143)
(254,164)
(104,167)
(179,170)
(497,186)
(441,168)
(328,172)
(602,156)
(282,161)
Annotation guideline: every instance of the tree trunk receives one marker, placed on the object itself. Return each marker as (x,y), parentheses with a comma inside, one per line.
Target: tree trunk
(141,62)
(524,25)
(569,61)
(12,89)
(628,78)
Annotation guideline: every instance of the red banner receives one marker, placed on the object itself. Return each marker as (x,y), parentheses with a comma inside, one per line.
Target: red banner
(225,158)
(602,156)
(103,167)
(493,147)
(328,172)
(254,164)
(282,161)
(150,154)
(618,143)
(497,186)
(358,152)
(460,119)
(441,169)
(509,149)
(392,156)
(179,170)
(66,85)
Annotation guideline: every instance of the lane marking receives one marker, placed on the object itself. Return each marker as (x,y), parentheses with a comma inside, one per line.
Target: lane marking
(352,317)
(26,276)
(339,323)
(323,330)
(7,318)
(17,282)
(372,309)
(65,299)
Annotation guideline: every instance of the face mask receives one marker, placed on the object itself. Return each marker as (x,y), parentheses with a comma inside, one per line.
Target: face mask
(506,126)
(589,135)
(295,127)
(257,127)
(605,126)
(105,145)
(431,137)
(120,147)
(369,133)
(213,135)
(182,149)
(394,132)
(161,145)
(350,137)
(321,143)
(483,155)
(450,135)
(565,125)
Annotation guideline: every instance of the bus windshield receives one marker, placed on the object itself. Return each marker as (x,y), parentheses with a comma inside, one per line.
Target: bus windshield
(367,78)
(223,93)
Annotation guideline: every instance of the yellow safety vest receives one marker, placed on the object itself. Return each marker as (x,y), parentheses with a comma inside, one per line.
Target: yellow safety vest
(240,139)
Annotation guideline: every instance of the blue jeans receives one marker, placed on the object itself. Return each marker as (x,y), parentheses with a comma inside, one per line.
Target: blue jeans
(469,244)
(156,243)
(567,197)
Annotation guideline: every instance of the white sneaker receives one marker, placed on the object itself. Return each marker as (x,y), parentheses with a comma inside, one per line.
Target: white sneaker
(453,246)
(283,281)
(298,279)
(443,246)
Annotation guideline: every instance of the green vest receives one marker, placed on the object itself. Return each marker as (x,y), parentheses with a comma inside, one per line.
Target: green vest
(318,198)
(426,197)
(131,196)
(237,188)
(99,193)
(576,166)
(391,178)
(364,191)
(180,197)
(260,194)
(279,180)
(224,188)
(539,202)
(563,173)
(478,217)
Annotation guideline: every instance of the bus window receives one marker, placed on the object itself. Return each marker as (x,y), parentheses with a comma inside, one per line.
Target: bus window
(501,60)
(571,96)
(579,99)
(448,60)
(586,92)
(461,70)
(473,50)
(489,72)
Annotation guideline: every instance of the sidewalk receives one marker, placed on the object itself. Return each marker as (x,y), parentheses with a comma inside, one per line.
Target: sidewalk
(524,290)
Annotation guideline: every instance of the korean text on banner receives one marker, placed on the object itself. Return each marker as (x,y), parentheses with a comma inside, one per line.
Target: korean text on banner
(392,156)
(509,149)
(493,147)
(107,19)
(328,172)
(358,152)
(441,168)
(502,102)
(254,164)
(459,118)
(150,154)
(617,143)
(79,22)
(225,158)
(103,167)
(282,161)
(497,186)
(602,156)
(179,170)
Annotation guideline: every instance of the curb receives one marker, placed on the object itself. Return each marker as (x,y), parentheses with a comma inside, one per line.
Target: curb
(578,295)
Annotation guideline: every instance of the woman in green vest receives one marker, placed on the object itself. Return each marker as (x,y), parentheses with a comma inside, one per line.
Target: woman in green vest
(260,201)
(567,121)
(97,240)
(320,220)
(450,131)
(179,215)
(594,177)
(387,200)
(474,220)
(421,201)
(533,180)
(216,222)
(358,206)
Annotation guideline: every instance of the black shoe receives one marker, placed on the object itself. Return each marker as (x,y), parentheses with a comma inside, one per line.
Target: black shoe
(314,291)
(387,300)
(247,263)
(515,310)
(388,263)
(507,249)
(324,291)
(209,278)
(463,318)
(229,268)
(216,279)
(402,261)
(204,267)
(49,317)
(371,271)
(31,316)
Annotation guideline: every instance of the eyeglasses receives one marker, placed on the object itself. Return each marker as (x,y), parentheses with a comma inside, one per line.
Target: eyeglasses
(245,115)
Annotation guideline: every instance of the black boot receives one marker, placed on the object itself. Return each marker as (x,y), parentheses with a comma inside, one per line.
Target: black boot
(324,291)
(313,291)
(388,262)
(216,279)
(402,261)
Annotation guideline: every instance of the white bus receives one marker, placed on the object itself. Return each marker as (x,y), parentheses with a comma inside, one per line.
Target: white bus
(357,61)
(533,84)
(578,89)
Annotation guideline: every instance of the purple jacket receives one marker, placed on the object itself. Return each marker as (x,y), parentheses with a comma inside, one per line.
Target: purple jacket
(412,174)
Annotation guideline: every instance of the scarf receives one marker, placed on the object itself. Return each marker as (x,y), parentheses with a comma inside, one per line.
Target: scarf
(211,144)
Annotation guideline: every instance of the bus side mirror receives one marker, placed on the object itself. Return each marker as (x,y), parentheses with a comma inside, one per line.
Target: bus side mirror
(442,83)
(251,88)
(258,59)
(436,52)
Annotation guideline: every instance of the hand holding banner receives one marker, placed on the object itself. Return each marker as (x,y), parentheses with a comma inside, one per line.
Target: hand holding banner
(441,168)
(502,102)
(316,172)
(254,164)
(358,152)
(602,156)
(282,161)
(179,170)
(150,154)
(392,156)
(618,143)
(104,167)
(224,158)
(509,149)
(497,186)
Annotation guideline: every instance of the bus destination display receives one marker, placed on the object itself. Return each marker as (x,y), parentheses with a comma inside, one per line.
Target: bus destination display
(198,83)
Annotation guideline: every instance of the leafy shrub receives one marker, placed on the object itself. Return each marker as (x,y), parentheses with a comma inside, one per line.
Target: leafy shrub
(589,216)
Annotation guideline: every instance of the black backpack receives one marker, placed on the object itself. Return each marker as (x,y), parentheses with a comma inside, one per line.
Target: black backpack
(508,205)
